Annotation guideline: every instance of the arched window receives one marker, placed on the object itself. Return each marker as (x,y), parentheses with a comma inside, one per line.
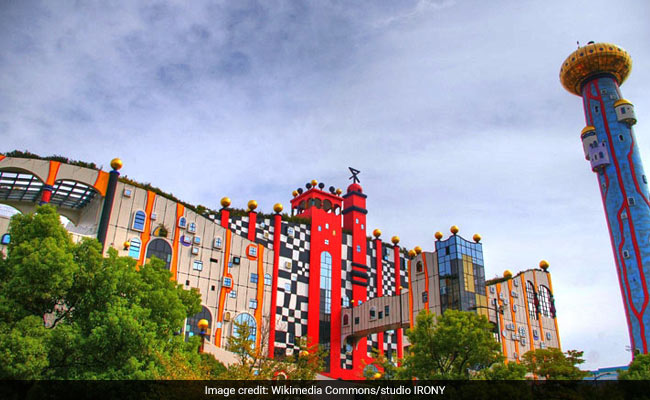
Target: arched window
(6,238)
(182,222)
(346,320)
(532,303)
(325,283)
(134,248)
(139,219)
(545,300)
(160,249)
(245,319)
(191,323)
(267,279)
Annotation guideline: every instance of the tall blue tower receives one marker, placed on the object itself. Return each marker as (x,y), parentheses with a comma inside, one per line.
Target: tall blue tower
(595,73)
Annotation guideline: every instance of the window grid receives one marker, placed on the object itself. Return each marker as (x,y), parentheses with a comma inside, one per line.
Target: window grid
(326,282)
(530,294)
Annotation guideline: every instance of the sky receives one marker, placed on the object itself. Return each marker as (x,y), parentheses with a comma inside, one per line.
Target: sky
(452,111)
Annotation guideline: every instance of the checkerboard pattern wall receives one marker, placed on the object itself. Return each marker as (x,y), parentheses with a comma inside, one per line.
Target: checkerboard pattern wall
(293,287)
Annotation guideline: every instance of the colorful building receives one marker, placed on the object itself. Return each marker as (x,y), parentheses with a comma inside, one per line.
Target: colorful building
(595,72)
(313,274)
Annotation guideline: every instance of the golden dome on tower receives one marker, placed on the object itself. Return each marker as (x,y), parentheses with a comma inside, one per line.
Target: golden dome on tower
(411,253)
(116,163)
(395,239)
(507,274)
(252,205)
(438,235)
(339,191)
(277,207)
(314,182)
(417,249)
(476,237)
(591,60)
(294,193)
(225,202)
(621,102)
(454,229)
(376,233)
(543,265)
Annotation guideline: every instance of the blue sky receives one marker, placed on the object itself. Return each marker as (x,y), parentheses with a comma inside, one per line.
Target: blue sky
(452,110)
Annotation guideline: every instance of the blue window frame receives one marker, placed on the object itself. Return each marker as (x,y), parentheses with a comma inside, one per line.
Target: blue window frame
(227,282)
(253,278)
(252,304)
(134,248)
(267,279)
(182,222)
(6,238)
(326,282)
(197,265)
(233,294)
(192,227)
(138,220)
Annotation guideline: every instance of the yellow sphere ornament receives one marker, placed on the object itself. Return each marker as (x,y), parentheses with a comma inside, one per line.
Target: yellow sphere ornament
(277,207)
(116,163)
(294,193)
(252,205)
(314,182)
(127,244)
(438,235)
(507,274)
(476,237)
(203,324)
(304,353)
(339,191)
(225,202)
(377,375)
(395,239)
(376,233)
(411,253)
(417,249)
(454,229)
(543,265)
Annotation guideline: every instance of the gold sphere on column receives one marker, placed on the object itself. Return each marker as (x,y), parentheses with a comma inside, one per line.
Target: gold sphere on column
(277,207)
(543,265)
(116,163)
(294,193)
(395,239)
(376,233)
(314,182)
(417,249)
(507,274)
(339,191)
(476,237)
(454,229)
(411,253)
(438,235)
(252,205)
(203,324)
(225,202)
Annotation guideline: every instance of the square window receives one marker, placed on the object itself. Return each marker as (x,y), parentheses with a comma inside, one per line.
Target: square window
(380,314)
(356,320)
(236,260)
(197,265)
(327,226)
(217,242)
(327,241)
(154,216)
(319,228)
(192,227)
(233,294)
(187,283)
(252,251)
(195,250)
(212,288)
(197,240)
(253,278)
(290,231)
(287,287)
(227,282)
(386,311)
(127,192)
(252,304)
(358,248)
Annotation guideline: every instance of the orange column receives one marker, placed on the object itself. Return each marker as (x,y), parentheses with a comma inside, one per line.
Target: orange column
(180,210)
(223,291)
(501,324)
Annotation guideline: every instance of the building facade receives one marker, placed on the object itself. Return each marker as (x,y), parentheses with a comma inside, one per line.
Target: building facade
(595,72)
(314,274)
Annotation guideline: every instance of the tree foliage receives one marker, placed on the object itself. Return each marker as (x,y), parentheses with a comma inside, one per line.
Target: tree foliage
(552,364)
(501,371)
(252,362)
(639,368)
(451,346)
(67,312)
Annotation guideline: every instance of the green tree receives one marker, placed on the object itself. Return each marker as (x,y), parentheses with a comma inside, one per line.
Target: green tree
(451,346)
(552,364)
(504,372)
(67,312)
(639,368)
(253,363)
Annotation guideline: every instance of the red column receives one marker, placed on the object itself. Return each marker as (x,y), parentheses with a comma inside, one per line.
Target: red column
(252,225)
(398,283)
(379,262)
(277,231)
